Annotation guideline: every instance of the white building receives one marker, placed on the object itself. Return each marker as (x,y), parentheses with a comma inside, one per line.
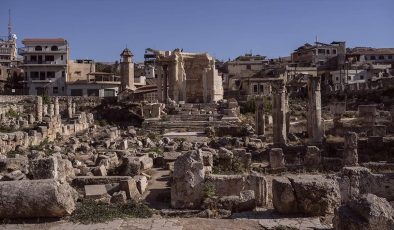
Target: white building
(45,65)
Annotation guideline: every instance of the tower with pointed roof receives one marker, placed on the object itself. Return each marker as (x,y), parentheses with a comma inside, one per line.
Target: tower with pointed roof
(127,70)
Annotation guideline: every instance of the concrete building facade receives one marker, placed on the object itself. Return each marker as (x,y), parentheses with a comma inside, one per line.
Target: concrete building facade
(45,65)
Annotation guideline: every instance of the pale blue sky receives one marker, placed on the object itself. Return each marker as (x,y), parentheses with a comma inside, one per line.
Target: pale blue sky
(100,29)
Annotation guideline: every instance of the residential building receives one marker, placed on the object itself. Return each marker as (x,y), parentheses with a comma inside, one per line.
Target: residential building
(359,55)
(320,55)
(45,65)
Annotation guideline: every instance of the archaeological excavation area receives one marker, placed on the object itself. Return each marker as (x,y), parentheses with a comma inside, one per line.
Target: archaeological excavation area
(63,159)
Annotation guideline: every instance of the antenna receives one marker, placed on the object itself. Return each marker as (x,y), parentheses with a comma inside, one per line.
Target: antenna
(316,39)
(9,24)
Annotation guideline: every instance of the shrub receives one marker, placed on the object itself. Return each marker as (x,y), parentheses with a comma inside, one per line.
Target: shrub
(209,190)
(12,113)
(88,211)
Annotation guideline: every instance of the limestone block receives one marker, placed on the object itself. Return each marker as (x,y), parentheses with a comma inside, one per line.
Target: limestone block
(142,183)
(130,188)
(188,180)
(312,157)
(283,196)
(368,212)
(36,198)
(119,197)
(277,158)
(95,191)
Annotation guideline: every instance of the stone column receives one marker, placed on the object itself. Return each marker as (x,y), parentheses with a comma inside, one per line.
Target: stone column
(314,120)
(69,107)
(31,119)
(57,107)
(39,108)
(350,155)
(45,110)
(165,88)
(74,108)
(279,112)
(259,116)
(287,114)
(51,110)
(277,158)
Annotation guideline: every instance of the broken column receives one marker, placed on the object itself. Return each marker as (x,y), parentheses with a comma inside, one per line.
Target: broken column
(259,116)
(314,120)
(69,107)
(74,108)
(35,198)
(350,155)
(39,108)
(279,112)
(337,110)
(57,107)
(277,158)
(45,110)
(51,110)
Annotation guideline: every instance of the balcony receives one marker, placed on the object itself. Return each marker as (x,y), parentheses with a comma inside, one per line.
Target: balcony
(53,63)
(26,50)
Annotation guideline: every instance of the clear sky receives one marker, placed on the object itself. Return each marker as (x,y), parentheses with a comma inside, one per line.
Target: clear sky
(100,29)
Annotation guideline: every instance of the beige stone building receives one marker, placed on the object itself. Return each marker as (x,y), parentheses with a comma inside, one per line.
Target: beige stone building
(188,77)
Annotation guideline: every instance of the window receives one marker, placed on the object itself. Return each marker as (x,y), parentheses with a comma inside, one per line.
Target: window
(50,74)
(38,48)
(373,58)
(42,75)
(390,57)
(261,88)
(349,78)
(248,67)
(34,75)
(334,51)
(328,51)
(63,74)
(55,90)
(321,51)
(54,48)
(361,77)
(337,78)
(381,57)
(61,57)
(93,92)
(255,88)
(33,58)
(49,58)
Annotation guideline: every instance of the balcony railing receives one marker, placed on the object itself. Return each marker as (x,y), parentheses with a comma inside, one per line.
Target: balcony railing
(44,62)
(24,50)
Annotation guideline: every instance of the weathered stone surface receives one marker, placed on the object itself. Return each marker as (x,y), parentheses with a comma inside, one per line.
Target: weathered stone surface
(131,166)
(350,155)
(95,191)
(277,158)
(283,196)
(100,171)
(35,198)
(146,162)
(188,180)
(81,181)
(130,188)
(308,194)
(368,212)
(316,195)
(142,183)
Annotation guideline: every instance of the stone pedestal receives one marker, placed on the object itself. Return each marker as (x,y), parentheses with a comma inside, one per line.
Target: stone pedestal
(279,112)
(277,158)
(350,155)
(314,120)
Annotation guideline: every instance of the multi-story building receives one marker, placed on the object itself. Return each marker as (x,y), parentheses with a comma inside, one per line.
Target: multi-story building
(320,55)
(359,55)
(45,65)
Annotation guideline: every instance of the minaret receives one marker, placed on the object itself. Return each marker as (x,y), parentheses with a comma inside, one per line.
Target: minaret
(127,70)
(9,25)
